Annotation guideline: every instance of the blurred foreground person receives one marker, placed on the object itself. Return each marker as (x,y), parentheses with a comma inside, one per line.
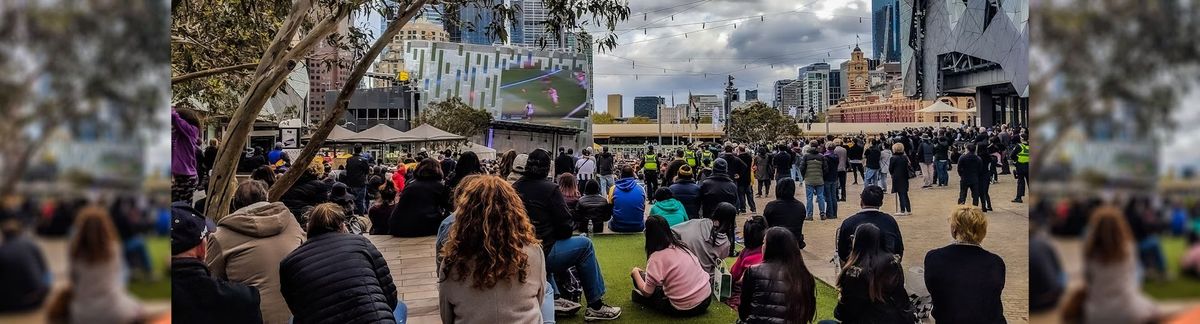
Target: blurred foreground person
(871,282)
(337,277)
(964,280)
(1112,290)
(98,292)
(197,296)
(496,280)
(25,280)
(673,282)
(781,289)
(250,242)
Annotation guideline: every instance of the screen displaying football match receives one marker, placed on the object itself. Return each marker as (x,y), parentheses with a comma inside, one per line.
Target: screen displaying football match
(553,96)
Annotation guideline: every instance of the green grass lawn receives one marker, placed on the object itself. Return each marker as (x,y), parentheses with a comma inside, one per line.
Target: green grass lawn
(620,253)
(1180,287)
(160,253)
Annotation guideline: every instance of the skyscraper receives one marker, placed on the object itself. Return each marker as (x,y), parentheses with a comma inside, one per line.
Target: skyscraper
(615,105)
(779,85)
(814,87)
(647,106)
(835,87)
(885,30)
(473,20)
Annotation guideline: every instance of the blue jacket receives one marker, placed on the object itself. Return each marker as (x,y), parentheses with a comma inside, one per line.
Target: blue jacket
(688,193)
(629,206)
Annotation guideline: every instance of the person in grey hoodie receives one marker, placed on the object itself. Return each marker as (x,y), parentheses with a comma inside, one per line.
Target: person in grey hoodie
(249,244)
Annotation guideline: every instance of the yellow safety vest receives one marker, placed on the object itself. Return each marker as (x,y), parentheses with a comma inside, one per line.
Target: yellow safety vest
(650,162)
(690,156)
(1023,155)
(707,157)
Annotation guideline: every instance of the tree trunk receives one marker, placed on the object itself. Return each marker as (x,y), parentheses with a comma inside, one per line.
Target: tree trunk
(211,72)
(277,63)
(285,182)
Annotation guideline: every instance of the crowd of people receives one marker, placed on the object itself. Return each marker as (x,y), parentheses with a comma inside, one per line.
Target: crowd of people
(1122,249)
(492,218)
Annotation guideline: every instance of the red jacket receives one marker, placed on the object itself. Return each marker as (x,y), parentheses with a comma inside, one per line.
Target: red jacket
(398,177)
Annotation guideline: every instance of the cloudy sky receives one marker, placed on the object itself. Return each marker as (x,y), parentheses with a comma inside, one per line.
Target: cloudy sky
(789,34)
(1180,149)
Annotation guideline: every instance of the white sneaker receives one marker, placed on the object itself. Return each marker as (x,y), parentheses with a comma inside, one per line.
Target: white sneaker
(564,306)
(605,313)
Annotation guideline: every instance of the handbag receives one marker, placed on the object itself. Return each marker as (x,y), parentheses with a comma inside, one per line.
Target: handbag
(722,283)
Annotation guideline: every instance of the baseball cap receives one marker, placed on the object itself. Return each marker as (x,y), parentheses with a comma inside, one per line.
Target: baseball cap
(188,228)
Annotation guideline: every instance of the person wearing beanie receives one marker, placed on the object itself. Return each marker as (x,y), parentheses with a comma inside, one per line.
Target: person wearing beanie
(717,188)
(666,206)
(197,296)
(278,159)
(687,192)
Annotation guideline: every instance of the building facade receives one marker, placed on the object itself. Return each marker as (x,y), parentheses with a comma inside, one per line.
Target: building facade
(705,104)
(616,105)
(647,106)
(885,30)
(391,61)
(895,108)
(751,95)
(327,70)
(814,87)
(836,91)
(972,47)
(473,19)
(857,76)
(963,103)
(791,93)
(778,99)
(391,106)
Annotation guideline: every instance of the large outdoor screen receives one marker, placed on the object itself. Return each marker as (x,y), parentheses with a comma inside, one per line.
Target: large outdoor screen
(553,96)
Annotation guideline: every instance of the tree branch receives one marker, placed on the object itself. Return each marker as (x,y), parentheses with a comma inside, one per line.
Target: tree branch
(284,36)
(211,72)
(339,106)
(221,183)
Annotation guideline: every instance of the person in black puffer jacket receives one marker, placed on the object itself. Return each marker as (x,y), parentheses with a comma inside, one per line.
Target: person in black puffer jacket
(423,204)
(336,277)
(592,207)
(787,211)
(717,188)
(687,192)
(781,290)
(308,192)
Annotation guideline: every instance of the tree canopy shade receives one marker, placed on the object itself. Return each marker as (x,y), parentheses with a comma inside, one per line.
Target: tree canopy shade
(294,29)
(602,118)
(67,65)
(455,116)
(757,123)
(1103,64)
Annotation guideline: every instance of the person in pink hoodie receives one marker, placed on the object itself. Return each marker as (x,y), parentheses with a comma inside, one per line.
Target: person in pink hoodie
(753,232)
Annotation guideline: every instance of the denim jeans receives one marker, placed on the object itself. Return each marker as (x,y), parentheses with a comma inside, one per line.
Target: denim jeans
(401,312)
(360,200)
(819,192)
(548,304)
(746,197)
(578,251)
(605,182)
(870,177)
(831,201)
(795,172)
(883,180)
(941,172)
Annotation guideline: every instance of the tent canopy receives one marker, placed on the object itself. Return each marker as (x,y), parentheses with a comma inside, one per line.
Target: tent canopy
(484,152)
(380,133)
(939,107)
(427,132)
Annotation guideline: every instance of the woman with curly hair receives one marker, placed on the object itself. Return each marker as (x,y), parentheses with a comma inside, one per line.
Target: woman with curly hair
(490,255)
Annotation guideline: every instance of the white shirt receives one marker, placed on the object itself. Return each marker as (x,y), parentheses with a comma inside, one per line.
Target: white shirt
(585,167)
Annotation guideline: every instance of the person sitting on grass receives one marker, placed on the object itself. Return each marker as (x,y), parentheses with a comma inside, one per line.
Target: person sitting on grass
(500,279)
(753,232)
(781,289)
(592,209)
(1191,259)
(871,282)
(686,191)
(552,224)
(964,280)
(629,203)
(673,282)
(666,206)
(707,237)
(25,279)
(787,211)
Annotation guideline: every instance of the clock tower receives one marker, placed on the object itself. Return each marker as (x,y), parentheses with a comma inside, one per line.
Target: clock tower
(857,75)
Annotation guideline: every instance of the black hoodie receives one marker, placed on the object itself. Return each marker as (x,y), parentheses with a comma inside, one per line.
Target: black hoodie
(786,211)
